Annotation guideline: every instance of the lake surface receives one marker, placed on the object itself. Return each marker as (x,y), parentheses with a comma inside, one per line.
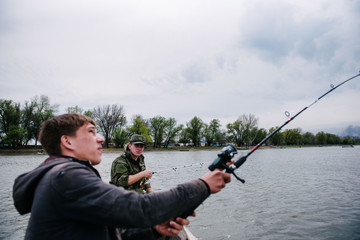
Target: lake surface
(292,193)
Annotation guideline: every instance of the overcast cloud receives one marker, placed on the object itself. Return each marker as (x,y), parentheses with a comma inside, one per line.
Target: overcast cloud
(183,59)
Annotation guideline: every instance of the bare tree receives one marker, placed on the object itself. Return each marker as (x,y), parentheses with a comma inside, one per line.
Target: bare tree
(108,118)
(250,126)
(43,112)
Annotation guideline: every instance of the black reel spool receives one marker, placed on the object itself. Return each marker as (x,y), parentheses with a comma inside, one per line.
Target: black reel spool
(225,156)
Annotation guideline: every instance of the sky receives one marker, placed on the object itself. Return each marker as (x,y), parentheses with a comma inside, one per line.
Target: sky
(181,59)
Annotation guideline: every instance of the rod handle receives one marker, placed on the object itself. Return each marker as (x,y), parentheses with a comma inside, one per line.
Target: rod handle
(240,162)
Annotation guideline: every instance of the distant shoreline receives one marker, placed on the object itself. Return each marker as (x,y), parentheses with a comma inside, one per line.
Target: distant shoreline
(39,151)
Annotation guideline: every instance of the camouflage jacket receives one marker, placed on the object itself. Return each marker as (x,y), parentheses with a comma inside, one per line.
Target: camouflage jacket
(124,166)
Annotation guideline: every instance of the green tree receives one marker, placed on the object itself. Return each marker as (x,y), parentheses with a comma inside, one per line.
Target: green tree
(10,117)
(14,136)
(347,141)
(184,136)
(260,135)
(206,134)
(171,131)
(251,135)
(235,131)
(321,138)
(139,126)
(27,121)
(89,113)
(108,118)
(332,139)
(277,138)
(243,130)
(75,109)
(292,136)
(308,138)
(222,138)
(157,127)
(194,129)
(212,132)
(9,114)
(119,136)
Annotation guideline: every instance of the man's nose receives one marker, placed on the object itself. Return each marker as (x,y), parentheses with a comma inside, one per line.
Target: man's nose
(100,139)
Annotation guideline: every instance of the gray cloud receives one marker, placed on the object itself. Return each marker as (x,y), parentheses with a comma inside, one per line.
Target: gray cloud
(181,59)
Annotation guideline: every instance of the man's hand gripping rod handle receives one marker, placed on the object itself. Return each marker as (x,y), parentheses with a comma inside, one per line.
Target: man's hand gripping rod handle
(224,157)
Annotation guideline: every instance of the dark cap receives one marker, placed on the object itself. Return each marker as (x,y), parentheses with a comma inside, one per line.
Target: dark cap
(137,139)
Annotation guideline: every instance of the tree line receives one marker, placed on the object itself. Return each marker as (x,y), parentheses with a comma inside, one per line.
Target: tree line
(20,124)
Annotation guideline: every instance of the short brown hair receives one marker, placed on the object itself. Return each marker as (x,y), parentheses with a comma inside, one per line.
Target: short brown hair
(54,128)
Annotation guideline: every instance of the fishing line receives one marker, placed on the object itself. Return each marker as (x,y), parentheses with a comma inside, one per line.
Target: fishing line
(228,152)
(179,167)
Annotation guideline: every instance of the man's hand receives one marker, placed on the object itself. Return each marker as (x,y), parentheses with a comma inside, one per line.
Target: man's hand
(136,177)
(147,174)
(172,228)
(216,180)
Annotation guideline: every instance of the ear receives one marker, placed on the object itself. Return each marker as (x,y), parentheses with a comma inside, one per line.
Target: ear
(66,142)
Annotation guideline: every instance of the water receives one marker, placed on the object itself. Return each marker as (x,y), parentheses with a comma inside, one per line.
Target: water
(298,193)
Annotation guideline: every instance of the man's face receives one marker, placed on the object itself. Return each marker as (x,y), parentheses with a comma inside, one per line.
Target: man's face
(87,144)
(136,149)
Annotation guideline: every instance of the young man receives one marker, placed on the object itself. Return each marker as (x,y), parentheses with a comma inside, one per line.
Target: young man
(128,170)
(68,200)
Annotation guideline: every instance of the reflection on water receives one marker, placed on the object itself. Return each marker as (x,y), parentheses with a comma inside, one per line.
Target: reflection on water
(298,193)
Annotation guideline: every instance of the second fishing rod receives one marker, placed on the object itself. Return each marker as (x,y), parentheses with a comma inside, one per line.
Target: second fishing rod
(228,153)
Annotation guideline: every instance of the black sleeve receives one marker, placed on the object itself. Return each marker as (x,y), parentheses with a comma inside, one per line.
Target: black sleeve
(86,197)
(139,234)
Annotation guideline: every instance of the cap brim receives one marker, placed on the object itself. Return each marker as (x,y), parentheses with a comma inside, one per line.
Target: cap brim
(137,143)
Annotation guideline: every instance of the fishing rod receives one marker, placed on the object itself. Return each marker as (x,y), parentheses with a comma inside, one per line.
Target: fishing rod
(228,152)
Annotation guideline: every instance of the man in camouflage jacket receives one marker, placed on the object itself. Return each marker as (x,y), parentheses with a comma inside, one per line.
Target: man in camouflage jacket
(129,169)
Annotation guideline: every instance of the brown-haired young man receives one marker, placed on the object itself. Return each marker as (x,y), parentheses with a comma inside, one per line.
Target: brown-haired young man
(68,200)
